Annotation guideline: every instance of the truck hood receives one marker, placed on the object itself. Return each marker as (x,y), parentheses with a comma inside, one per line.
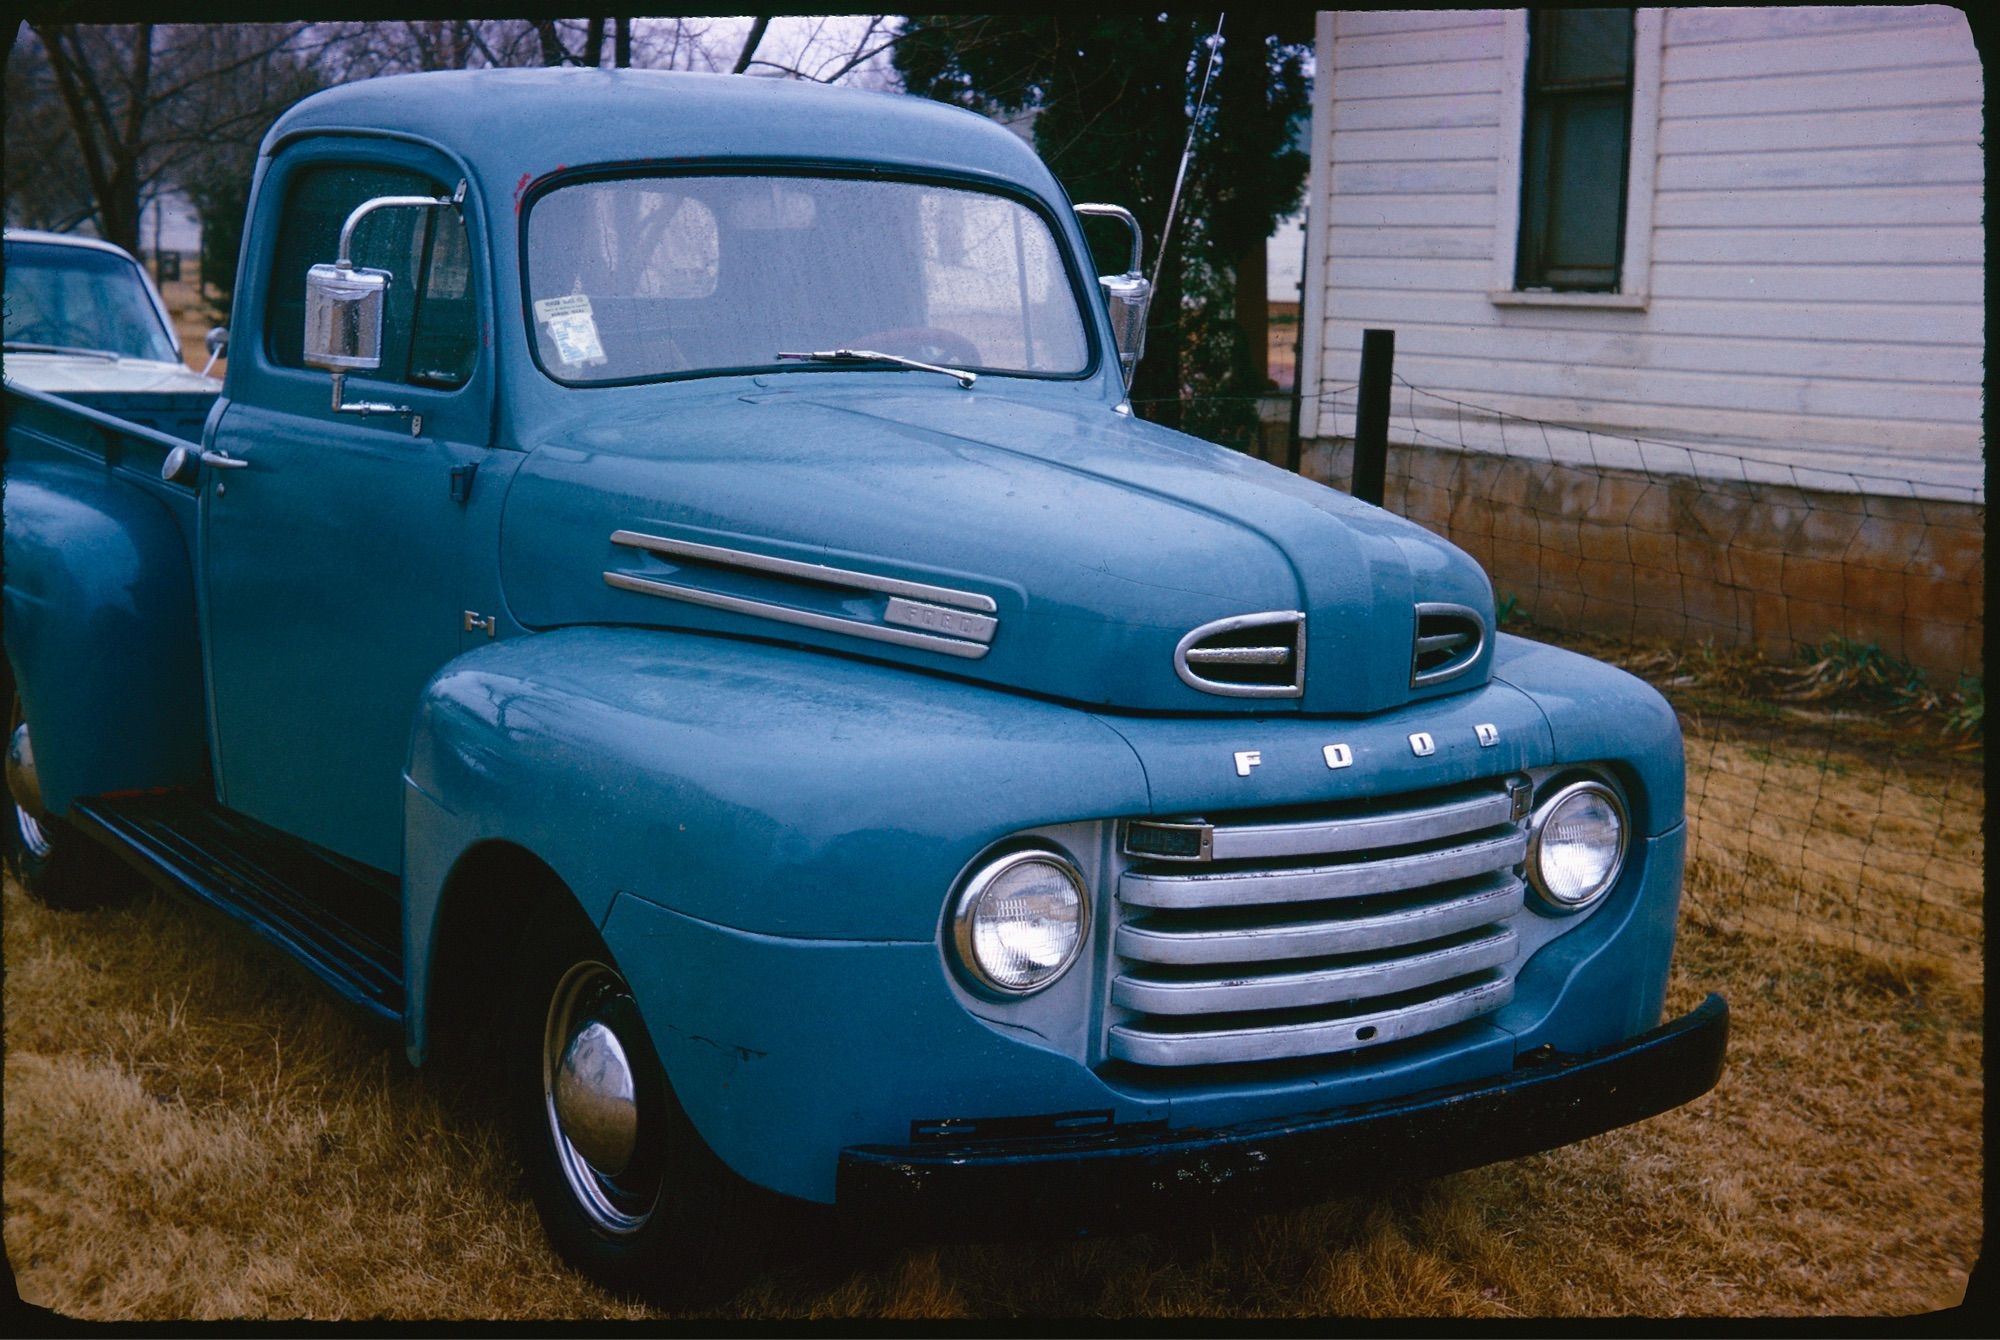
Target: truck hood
(1042,544)
(67,374)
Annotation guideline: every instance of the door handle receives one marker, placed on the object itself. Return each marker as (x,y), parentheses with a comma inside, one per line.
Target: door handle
(219,460)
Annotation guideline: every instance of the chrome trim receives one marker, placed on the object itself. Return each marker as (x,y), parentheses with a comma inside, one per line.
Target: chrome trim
(1357,832)
(804,618)
(968,898)
(1267,619)
(1499,896)
(1317,883)
(811,572)
(1276,1042)
(1549,901)
(1439,641)
(1121,213)
(1316,986)
(938,619)
(1238,655)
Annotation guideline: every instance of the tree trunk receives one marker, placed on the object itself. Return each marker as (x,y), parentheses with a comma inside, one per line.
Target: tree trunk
(593,44)
(552,47)
(622,44)
(1253,311)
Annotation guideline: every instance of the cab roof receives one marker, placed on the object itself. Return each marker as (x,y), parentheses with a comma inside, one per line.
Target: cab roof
(515,126)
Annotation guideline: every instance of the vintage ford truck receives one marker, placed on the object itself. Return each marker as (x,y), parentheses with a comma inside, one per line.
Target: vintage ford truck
(674,591)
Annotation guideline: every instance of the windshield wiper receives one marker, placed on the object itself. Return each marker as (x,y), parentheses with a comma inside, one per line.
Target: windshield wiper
(871,356)
(23,346)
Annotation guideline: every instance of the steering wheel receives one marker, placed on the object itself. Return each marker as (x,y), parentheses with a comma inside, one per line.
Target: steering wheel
(930,344)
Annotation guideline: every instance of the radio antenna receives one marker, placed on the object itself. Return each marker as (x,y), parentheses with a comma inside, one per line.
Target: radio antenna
(1201,101)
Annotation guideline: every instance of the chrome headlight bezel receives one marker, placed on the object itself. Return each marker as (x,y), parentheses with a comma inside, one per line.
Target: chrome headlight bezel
(1545,810)
(965,908)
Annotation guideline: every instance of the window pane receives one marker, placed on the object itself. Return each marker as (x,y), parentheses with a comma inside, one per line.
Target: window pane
(444,335)
(648,277)
(429,327)
(1575,137)
(1584,46)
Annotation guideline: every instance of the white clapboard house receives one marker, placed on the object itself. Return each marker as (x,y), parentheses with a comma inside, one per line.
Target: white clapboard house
(1757,231)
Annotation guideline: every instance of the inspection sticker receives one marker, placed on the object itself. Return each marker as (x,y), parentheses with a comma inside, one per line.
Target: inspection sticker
(572,328)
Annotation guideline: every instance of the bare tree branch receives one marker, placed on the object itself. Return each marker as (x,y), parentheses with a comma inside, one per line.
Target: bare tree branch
(743,57)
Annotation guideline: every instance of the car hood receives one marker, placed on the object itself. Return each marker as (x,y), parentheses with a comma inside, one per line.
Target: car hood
(1044,544)
(67,374)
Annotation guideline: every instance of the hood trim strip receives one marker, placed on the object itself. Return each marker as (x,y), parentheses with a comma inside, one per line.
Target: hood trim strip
(803,618)
(811,572)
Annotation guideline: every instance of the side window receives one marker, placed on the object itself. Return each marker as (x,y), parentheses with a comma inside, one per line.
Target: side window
(1575,149)
(430,330)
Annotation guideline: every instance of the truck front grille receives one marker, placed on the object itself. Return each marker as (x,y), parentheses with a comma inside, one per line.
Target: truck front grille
(1265,941)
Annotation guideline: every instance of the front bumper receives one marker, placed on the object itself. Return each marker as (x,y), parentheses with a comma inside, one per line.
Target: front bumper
(1128,1177)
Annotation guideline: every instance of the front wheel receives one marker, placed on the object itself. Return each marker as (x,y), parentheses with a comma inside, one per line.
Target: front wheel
(627,1191)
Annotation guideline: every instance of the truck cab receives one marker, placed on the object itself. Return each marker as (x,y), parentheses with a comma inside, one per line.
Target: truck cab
(674,589)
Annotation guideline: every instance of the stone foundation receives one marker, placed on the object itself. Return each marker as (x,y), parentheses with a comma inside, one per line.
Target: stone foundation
(1691,559)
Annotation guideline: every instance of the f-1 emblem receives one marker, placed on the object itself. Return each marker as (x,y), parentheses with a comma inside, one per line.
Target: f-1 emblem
(1247,759)
(1422,745)
(1488,733)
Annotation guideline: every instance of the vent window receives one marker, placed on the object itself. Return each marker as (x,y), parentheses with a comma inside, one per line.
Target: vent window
(1449,639)
(1248,656)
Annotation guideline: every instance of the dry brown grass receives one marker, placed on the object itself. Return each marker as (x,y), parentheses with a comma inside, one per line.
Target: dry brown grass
(194,1129)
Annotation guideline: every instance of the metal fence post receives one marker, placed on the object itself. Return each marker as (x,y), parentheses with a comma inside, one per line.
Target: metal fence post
(1371,415)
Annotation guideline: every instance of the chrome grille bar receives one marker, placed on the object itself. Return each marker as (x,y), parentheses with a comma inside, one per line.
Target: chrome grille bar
(1493,899)
(1144,1045)
(1259,941)
(1325,837)
(1313,883)
(1315,986)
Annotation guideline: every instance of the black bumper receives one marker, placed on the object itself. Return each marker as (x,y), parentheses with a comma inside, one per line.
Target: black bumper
(1127,1178)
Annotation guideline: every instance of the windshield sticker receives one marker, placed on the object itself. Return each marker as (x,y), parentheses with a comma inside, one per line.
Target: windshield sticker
(572,329)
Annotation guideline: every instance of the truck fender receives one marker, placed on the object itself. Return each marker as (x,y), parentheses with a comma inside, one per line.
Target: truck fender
(761,788)
(101,631)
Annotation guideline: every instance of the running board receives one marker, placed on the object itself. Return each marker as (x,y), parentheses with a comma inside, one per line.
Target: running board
(342,920)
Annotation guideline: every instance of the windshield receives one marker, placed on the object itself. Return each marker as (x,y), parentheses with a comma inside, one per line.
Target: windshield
(655,276)
(63,297)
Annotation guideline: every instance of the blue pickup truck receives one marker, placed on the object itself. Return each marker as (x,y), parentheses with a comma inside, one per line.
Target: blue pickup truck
(673,595)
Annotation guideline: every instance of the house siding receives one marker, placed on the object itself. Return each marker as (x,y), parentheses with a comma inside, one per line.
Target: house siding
(1815,290)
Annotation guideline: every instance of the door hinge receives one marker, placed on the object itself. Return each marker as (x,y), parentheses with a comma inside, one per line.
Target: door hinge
(461,482)
(479,623)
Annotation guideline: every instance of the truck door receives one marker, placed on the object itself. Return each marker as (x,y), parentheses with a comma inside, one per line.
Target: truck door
(334,554)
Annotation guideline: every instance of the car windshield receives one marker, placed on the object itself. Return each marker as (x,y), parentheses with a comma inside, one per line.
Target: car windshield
(646,277)
(67,297)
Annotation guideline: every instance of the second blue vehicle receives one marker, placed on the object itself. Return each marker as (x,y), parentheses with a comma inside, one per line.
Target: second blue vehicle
(673,592)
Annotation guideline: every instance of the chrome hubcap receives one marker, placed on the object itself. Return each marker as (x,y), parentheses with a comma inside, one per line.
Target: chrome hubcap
(590,1095)
(595,1101)
(26,789)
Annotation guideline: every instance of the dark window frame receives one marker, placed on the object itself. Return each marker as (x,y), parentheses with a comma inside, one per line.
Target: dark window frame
(1550,103)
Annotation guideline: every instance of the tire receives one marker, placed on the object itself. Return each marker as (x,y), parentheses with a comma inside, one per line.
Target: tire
(665,1222)
(56,865)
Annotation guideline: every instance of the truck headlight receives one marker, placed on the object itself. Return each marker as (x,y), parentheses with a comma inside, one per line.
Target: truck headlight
(1576,844)
(1020,922)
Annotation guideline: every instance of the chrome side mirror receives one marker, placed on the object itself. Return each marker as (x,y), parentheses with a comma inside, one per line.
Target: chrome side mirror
(1128,296)
(344,307)
(344,317)
(218,345)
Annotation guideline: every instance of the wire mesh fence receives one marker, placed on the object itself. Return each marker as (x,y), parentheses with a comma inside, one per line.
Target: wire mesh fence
(1836,796)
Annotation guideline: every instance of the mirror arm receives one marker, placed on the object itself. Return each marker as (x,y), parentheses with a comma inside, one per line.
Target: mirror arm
(366,407)
(1119,212)
(361,211)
